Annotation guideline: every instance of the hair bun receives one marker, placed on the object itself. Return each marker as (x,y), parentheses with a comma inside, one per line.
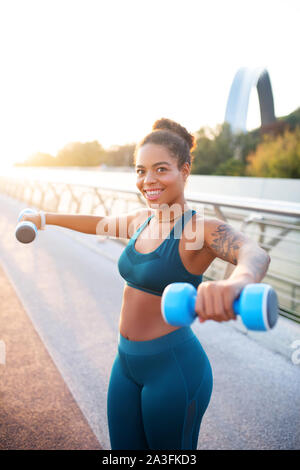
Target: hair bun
(168,124)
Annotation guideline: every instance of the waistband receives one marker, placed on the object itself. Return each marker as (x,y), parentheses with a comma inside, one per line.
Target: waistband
(156,345)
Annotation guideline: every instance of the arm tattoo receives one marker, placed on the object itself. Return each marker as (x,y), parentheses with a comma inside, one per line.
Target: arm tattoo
(226,243)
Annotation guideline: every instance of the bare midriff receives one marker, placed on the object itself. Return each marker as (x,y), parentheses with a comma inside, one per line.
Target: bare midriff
(141,318)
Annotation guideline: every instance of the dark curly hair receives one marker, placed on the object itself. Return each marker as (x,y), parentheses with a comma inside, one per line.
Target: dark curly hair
(174,137)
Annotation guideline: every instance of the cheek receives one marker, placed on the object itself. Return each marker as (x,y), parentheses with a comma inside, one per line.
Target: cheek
(172,180)
(139,182)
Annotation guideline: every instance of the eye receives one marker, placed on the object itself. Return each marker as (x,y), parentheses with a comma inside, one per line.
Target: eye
(161,169)
(139,171)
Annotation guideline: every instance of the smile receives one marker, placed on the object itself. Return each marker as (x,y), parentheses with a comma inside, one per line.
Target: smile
(152,194)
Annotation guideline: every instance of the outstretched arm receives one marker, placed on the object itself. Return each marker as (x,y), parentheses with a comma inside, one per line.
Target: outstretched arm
(122,226)
(215,298)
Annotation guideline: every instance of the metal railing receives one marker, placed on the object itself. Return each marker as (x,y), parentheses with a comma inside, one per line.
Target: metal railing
(275,225)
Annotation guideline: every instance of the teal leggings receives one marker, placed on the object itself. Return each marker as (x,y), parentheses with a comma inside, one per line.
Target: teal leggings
(158,392)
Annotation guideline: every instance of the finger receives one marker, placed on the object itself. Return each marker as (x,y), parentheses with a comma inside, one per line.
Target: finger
(199,307)
(219,307)
(208,303)
(228,306)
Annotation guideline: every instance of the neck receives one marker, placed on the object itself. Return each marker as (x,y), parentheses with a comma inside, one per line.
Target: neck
(170,213)
(161,220)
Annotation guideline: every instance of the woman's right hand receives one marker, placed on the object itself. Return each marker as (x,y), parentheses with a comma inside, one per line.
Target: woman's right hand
(34,218)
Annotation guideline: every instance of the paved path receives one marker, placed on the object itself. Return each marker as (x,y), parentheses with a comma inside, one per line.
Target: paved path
(71,292)
(37,410)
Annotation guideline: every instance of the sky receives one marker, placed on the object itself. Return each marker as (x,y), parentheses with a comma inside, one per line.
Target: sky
(85,70)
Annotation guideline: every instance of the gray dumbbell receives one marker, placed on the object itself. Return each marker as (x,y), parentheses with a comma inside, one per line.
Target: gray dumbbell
(26,231)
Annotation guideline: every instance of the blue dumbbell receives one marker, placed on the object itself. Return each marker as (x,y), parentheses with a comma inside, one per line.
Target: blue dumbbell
(257,305)
(26,231)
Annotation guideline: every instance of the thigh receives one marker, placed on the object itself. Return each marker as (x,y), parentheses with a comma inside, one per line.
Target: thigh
(164,407)
(199,405)
(175,400)
(124,411)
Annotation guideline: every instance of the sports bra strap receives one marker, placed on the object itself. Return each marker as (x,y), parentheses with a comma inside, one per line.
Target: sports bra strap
(141,228)
(179,225)
(177,228)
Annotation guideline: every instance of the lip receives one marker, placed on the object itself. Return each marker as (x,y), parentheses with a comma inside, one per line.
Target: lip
(153,196)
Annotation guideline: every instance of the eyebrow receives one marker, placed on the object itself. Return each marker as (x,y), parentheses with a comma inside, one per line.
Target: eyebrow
(155,164)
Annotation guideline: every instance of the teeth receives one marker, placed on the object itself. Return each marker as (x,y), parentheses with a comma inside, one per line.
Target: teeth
(154,192)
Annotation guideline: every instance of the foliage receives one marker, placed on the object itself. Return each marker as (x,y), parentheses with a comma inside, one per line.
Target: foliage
(292,119)
(272,151)
(220,152)
(121,155)
(213,147)
(80,154)
(84,154)
(276,157)
(232,167)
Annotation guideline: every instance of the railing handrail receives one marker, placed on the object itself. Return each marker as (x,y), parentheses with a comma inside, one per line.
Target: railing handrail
(270,206)
(275,221)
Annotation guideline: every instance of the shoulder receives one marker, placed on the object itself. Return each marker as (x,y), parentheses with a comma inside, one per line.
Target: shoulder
(212,223)
(212,227)
(223,240)
(141,215)
(210,233)
(123,225)
(137,215)
(217,229)
(137,218)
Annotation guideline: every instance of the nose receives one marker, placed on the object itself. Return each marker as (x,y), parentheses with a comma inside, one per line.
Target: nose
(149,177)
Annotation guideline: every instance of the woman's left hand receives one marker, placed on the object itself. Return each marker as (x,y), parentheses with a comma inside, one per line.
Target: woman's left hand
(215,299)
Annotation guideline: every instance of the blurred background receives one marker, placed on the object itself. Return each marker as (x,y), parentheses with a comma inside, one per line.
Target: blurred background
(83,82)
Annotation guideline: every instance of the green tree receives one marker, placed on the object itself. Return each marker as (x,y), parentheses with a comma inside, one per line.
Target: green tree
(120,155)
(81,154)
(277,157)
(292,119)
(213,147)
(232,167)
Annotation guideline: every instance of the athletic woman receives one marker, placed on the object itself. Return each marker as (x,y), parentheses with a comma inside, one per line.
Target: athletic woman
(161,380)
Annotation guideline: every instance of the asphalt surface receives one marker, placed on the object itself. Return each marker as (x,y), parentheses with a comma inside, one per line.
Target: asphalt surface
(70,291)
(37,410)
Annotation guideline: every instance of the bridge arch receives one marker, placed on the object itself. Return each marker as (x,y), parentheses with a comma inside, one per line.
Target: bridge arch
(238,100)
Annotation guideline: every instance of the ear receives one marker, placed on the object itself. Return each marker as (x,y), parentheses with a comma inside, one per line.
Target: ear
(185,170)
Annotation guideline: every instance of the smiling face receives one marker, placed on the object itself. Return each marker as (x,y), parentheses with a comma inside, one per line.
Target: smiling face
(158,177)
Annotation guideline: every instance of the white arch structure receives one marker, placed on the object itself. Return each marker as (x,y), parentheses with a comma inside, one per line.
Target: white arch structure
(238,101)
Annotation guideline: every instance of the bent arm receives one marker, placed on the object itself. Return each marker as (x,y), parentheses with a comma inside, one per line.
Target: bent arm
(225,242)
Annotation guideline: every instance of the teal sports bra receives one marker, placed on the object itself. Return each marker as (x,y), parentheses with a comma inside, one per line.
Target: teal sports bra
(152,272)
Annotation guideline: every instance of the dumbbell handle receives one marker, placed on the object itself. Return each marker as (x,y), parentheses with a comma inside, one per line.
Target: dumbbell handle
(193,314)
(257,305)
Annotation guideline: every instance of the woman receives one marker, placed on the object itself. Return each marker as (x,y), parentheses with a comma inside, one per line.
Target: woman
(161,379)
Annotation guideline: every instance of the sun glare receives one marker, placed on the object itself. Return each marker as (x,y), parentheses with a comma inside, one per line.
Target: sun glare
(86,71)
